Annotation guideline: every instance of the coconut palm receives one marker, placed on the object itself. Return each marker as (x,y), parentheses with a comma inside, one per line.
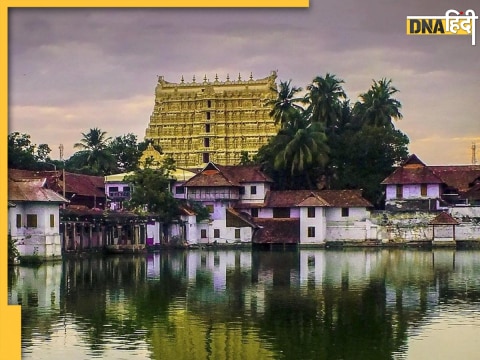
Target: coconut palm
(285,106)
(302,149)
(94,146)
(324,98)
(377,107)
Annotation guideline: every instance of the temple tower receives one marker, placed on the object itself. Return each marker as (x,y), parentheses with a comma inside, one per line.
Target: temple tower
(198,122)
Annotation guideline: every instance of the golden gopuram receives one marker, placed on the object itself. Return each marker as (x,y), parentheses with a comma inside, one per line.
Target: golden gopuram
(197,122)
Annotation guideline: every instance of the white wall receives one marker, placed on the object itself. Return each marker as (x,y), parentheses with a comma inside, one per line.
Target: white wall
(248,197)
(318,222)
(44,240)
(354,214)
(412,191)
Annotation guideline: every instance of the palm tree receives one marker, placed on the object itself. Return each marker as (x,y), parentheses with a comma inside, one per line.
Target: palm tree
(377,107)
(94,146)
(302,149)
(285,105)
(324,98)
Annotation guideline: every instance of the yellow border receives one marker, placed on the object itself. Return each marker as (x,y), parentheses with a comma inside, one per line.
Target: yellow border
(10,329)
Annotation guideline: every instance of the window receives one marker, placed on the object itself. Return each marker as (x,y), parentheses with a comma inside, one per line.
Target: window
(311,231)
(255,212)
(253,189)
(19,221)
(179,190)
(206,142)
(207,128)
(112,189)
(209,208)
(52,220)
(399,191)
(32,220)
(209,103)
(208,115)
(311,212)
(242,190)
(203,233)
(126,188)
(237,233)
(423,190)
(281,212)
(206,157)
(345,212)
(216,233)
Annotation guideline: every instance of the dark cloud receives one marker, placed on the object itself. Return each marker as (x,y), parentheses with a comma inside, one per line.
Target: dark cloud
(98,67)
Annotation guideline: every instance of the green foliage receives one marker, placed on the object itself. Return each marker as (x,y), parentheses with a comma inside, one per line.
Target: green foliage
(22,154)
(151,192)
(245,158)
(328,143)
(127,151)
(200,210)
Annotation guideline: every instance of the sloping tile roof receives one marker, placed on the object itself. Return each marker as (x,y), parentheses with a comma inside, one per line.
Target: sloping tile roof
(420,175)
(414,171)
(460,177)
(443,218)
(473,193)
(32,190)
(285,198)
(243,217)
(85,185)
(344,198)
(232,175)
(337,198)
(277,231)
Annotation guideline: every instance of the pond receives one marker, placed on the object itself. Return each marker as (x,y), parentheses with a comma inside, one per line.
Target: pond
(234,304)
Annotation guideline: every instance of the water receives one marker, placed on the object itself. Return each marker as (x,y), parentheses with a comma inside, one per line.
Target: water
(305,304)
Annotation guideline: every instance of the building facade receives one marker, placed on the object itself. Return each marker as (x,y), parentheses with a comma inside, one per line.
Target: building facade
(199,122)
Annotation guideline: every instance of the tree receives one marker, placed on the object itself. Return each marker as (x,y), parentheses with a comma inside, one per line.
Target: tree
(285,105)
(377,107)
(95,145)
(22,154)
(151,192)
(296,156)
(364,157)
(126,152)
(304,150)
(324,98)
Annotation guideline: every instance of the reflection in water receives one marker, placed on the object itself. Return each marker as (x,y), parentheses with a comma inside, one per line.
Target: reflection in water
(306,304)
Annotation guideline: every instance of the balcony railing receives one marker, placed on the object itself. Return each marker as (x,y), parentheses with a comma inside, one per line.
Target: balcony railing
(119,194)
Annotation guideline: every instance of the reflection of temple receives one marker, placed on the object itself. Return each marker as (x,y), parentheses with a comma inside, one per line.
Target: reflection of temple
(211,121)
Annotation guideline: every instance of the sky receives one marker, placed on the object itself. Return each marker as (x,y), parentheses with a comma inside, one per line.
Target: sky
(75,69)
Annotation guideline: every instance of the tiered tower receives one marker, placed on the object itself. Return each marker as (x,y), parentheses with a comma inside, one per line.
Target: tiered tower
(212,121)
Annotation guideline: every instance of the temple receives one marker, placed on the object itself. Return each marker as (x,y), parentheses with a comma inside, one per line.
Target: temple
(199,122)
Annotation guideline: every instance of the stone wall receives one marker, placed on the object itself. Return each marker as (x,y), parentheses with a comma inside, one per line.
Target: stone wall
(414,226)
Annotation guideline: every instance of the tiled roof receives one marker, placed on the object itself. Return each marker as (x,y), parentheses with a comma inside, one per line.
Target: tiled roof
(85,185)
(32,190)
(414,171)
(277,231)
(243,217)
(286,198)
(460,177)
(337,198)
(443,218)
(473,193)
(221,175)
(420,175)
(344,198)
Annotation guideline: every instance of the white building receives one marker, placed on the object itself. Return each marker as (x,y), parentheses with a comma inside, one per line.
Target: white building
(34,220)
(244,209)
